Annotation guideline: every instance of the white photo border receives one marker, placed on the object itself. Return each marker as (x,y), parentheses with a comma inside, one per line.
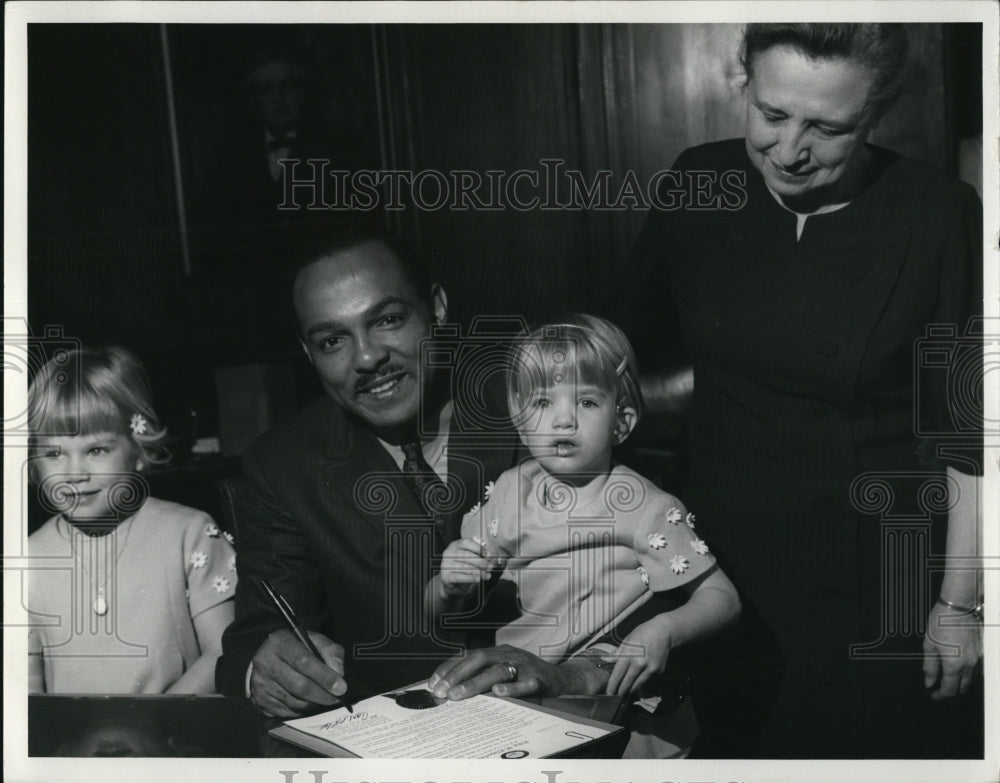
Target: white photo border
(18,767)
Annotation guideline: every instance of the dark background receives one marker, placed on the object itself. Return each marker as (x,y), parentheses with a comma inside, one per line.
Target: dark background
(107,256)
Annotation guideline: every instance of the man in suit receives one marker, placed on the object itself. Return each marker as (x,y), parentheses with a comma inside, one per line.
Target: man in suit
(338,518)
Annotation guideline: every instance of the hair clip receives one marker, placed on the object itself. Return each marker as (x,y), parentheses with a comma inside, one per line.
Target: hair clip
(621,366)
(138,425)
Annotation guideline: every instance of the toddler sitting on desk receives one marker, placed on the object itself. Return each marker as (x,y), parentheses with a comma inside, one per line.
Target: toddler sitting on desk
(583,543)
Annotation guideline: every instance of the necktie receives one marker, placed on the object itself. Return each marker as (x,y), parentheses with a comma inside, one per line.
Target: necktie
(429,487)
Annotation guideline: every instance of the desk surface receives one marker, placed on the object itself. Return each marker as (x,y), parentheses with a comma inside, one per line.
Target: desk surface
(206,726)
(88,725)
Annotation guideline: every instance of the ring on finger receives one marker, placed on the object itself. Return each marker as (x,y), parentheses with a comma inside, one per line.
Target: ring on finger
(511,670)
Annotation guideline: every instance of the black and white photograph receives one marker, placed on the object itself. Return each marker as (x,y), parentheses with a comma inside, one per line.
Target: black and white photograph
(502,392)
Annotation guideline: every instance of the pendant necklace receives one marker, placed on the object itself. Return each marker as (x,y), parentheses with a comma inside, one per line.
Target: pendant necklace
(100,603)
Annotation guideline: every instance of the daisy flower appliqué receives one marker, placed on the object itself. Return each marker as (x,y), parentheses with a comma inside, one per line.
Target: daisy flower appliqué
(699,546)
(690,520)
(212,530)
(198,559)
(674,515)
(138,424)
(679,564)
(229,537)
(643,575)
(232,562)
(475,508)
(493,527)
(488,489)
(657,541)
(221,584)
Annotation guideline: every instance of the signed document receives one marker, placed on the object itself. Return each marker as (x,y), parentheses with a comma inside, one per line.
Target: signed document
(412,723)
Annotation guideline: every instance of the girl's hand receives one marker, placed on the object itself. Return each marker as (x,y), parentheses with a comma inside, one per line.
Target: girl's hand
(463,566)
(641,657)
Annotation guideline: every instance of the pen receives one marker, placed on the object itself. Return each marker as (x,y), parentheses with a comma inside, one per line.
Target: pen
(296,628)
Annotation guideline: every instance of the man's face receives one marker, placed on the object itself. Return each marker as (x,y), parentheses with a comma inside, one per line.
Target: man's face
(276,90)
(362,322)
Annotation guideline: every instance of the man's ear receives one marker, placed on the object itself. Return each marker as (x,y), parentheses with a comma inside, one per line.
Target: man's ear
(625,421)
(439,304)
(306,349)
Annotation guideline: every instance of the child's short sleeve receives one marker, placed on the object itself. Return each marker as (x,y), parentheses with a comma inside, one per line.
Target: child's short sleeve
(210,565)
(670,552)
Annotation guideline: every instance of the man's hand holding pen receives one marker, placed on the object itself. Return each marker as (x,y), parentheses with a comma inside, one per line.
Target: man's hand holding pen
(289,681)
(296,671)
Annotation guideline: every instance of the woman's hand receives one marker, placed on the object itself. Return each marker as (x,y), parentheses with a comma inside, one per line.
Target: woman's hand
(953,648)
(486,669)
(463,566)
(641,657)
(953,645)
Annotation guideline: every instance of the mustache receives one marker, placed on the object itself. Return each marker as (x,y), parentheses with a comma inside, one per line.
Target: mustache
(372,378)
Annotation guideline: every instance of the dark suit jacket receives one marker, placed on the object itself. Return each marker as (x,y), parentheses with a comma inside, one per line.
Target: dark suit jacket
(335,528)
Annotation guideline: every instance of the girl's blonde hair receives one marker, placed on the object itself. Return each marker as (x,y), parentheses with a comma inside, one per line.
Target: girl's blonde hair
(89,390)
(582,349)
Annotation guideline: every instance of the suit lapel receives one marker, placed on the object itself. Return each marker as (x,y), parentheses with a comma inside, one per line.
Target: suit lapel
(363,474)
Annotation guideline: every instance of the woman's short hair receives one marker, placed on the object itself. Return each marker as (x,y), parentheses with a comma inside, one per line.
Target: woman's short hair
(589,349)
(882,48)
(90,390)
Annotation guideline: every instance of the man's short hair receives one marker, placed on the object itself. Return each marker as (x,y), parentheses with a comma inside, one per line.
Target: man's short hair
(411,264)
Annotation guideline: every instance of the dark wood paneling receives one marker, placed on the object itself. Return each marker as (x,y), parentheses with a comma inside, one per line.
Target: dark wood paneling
(103,248)
(481,98)
(104,256)
(917,126)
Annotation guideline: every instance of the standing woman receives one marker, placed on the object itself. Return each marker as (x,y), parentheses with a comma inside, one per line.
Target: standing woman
(801,303)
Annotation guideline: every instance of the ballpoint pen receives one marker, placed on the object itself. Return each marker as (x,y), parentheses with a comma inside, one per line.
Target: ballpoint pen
(285,609)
